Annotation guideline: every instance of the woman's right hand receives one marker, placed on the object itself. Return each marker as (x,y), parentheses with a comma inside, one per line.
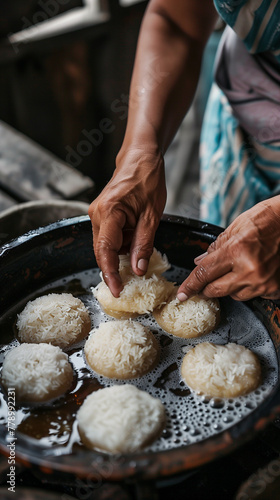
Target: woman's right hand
(126,214)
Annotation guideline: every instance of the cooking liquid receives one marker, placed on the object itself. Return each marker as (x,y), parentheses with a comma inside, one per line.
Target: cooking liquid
(190,417)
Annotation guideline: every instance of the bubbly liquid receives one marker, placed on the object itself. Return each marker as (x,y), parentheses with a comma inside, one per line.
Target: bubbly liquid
(190,417)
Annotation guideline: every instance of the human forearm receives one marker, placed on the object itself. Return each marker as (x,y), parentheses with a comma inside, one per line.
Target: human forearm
(126,214)
(166,70)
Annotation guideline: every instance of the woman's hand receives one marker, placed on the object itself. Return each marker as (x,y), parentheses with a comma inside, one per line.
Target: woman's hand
(169,51)
(126,214)
(244,261)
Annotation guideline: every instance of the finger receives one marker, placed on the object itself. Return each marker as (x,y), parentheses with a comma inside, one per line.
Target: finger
(272,296)
(200,257)
(212,267)
(110,272)
(229,284)
(107,243)
(142,245)
(233,286)
(246,293)
(114,282)
(236,288)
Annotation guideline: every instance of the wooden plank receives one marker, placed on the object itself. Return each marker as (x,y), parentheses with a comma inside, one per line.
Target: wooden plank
(30,172)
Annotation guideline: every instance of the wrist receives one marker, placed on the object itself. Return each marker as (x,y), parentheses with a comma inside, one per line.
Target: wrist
(136,153)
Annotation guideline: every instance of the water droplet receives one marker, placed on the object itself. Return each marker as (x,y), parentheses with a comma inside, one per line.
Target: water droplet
(227,419)
(217,403)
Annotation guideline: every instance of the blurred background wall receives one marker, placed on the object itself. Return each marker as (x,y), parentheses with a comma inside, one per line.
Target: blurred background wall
(64,82)
(56,86)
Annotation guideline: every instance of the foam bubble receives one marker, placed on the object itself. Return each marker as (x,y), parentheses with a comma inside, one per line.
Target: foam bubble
(190,417)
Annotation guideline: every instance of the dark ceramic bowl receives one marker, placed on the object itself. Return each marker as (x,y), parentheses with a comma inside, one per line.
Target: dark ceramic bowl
(63,248)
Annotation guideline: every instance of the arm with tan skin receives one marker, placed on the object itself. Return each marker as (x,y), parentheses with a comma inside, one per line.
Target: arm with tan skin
(244,261)
(126,214)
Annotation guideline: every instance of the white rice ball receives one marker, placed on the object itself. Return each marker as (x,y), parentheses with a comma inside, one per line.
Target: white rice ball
(141,294)
(191,318)
(38,372)
(121,349)
(221,370)
(120,419)
(57,318)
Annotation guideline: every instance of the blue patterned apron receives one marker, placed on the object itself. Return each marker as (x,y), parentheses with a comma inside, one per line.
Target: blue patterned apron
(240,140)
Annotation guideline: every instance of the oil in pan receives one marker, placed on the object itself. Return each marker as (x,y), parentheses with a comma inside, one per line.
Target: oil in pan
(190,418)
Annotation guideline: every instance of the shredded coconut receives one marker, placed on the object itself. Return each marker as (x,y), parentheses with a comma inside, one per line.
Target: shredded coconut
(58,319)
(120,419)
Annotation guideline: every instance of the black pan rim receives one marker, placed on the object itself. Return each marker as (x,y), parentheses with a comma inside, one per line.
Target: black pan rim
(145,464)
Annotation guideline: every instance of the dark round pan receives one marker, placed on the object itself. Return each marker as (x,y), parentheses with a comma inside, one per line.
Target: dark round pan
(60,249)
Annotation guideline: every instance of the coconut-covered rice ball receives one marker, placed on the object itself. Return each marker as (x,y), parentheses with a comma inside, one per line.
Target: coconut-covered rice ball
(57,318)
(121,349)
(141,294)
(38,372)
(120,419)
(193,317)
(221,370)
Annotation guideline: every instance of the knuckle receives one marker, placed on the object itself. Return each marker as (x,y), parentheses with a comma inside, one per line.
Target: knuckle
(104,244)
(270,290)
(261,277)
(188,289)
(144,249)
(237,297)
(201,274)
(150,218)
(261,272)
(255,271)
(221,239)
(212,246)
(272,296)
(213,290)
(260,290)
(238,250)
(102,206)
(92,209)
(101,248)
(245,294)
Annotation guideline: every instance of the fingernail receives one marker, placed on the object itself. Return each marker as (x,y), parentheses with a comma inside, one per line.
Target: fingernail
(182,296)
(200,257)
(142,264)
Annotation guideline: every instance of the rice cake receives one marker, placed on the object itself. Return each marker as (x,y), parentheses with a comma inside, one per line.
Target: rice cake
(221,370)
(192,318)
(141,294)
(57,318)
(121,349)
(120,419)
(37,372)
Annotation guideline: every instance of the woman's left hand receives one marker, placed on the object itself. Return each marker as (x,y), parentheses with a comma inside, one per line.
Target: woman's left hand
(244,261)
